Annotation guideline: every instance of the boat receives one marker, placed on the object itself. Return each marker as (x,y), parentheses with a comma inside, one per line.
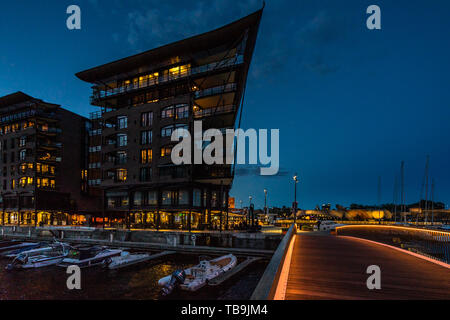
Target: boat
(126,259)
(196,277)
(18,248)
(40,257)
(8,243)
(88,256)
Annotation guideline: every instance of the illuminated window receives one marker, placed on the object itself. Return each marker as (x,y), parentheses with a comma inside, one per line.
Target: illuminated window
(167,112)
(23,182)
(146,156)
(45,182)
(182,111)
(52,184)
(166,151)
(121,175)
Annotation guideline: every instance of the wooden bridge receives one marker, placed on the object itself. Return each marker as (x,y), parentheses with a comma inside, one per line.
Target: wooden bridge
(323,266)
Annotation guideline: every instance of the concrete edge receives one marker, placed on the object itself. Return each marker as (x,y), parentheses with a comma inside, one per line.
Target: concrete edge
(267,285)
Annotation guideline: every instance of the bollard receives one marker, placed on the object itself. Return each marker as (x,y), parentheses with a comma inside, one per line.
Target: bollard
(111,237)
(62,234)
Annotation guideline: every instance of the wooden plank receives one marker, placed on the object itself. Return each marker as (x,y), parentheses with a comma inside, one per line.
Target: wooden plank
(227,275)
(149,258)
(328,267)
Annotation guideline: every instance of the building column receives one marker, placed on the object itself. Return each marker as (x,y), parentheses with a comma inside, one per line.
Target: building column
(18,210)
(158,220)
(208,205)
(103,208)
(226,204)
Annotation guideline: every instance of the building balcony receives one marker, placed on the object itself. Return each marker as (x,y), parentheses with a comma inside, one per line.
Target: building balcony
(164,78)
(215,90)
(203,113)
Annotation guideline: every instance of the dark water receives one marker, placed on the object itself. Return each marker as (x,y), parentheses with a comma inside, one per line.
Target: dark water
(137,282)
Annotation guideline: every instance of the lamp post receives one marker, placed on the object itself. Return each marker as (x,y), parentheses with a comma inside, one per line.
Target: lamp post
(295,178)
(265,202)
(249,210)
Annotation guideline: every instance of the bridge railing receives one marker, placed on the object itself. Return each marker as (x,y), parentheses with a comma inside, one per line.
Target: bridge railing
(431,243)
(270,280)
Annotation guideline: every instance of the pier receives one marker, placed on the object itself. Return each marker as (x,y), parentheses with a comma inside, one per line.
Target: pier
(323,266)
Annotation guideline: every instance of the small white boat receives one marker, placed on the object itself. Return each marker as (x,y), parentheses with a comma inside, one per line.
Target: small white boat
(194,278)
(41,257)
(89,257)
(126,259)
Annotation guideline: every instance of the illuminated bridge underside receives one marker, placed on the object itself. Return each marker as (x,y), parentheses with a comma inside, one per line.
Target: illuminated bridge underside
(328,267)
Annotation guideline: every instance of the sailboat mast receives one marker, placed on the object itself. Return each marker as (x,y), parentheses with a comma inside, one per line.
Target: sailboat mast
(402,184)
(395,197)
(432,201)
(426,188)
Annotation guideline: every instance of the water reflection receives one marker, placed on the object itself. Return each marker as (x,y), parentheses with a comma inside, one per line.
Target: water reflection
(138,282)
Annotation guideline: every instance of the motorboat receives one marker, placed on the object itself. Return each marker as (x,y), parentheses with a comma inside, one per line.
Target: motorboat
(8,243)
(89,256)
(126,259)
(194,278)
(18,248)
(40,257)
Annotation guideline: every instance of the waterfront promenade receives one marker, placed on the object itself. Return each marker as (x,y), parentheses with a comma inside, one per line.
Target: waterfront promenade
(334,267)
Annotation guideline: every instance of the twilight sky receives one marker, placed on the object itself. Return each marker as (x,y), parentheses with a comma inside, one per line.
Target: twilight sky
(350,103)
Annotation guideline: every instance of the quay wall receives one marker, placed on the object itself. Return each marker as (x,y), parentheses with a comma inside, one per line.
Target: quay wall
(239,240)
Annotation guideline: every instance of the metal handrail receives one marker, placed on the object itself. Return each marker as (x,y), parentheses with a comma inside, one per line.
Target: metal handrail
(434,244)
(165,78)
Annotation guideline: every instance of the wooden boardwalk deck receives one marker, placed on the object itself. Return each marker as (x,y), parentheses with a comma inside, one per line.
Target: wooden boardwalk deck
(330,267)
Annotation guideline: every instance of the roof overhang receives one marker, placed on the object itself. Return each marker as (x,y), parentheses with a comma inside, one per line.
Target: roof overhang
(200,42)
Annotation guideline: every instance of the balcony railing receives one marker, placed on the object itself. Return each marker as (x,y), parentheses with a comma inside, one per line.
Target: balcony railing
(214,111)
(215,90)
(167,77)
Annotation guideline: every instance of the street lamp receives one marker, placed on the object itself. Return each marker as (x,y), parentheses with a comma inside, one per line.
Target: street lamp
(295,178)
(265,202)
(249,209)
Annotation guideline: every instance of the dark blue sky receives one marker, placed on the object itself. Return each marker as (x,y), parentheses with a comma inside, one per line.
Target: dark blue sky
(350,103)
